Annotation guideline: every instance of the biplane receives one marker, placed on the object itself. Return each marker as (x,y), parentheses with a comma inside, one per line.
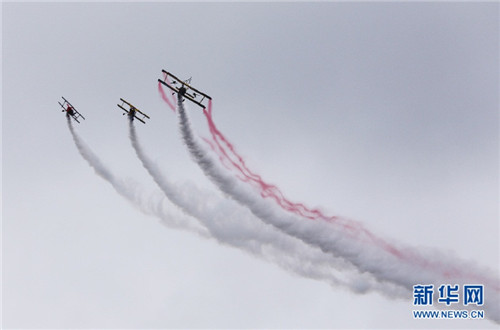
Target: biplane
(184,89)
(70,110)
(133,112)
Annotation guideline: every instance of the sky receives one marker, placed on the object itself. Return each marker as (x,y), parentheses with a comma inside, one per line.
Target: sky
(383,112)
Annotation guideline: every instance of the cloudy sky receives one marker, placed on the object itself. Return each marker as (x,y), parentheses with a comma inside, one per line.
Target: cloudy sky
(386,113)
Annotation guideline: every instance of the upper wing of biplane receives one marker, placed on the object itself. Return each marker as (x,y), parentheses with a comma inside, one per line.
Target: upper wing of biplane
(70,110)
(183,89)
(133,112)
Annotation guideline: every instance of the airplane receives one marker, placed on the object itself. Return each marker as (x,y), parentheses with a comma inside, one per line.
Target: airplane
(133,111)
(70,110)
(184,90)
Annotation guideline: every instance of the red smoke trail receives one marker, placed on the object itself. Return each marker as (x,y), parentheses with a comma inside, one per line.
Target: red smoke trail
(272,191)
(352,228)
(222,158)
(267,190)
(164,97)
(165,78)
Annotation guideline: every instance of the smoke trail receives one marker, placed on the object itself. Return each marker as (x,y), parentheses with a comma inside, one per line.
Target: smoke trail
(272,191)
(232,225)
(301,260)
(246,175)
(402,266)
(267,190)
(165,97)
(153,205)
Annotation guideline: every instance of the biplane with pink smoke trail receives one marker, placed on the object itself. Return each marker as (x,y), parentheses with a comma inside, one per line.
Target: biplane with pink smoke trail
(184,90)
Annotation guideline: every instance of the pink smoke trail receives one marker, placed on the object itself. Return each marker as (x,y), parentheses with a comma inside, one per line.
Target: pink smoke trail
(164,97)
(271,191)
(267,190)
(402,257)
(354,228)
(351,228)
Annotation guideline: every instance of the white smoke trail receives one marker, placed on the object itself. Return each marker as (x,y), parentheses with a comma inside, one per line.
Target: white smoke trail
(153,205)
(303,261)
(235,226)
(406,268)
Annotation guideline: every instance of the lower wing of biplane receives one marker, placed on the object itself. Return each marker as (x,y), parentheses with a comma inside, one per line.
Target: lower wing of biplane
(70,110)
(183,89)
(133,112)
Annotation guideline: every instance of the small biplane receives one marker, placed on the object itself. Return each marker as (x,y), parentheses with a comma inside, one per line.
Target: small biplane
(70,110)
(133,112)
(184,89)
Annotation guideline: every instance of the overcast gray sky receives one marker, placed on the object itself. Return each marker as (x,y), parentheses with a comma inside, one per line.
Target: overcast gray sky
(386,113)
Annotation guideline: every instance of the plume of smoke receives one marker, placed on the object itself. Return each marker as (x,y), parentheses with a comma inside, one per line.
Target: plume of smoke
(231,159)
(153,205)
(165,97)
(230,224)
(402,266)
